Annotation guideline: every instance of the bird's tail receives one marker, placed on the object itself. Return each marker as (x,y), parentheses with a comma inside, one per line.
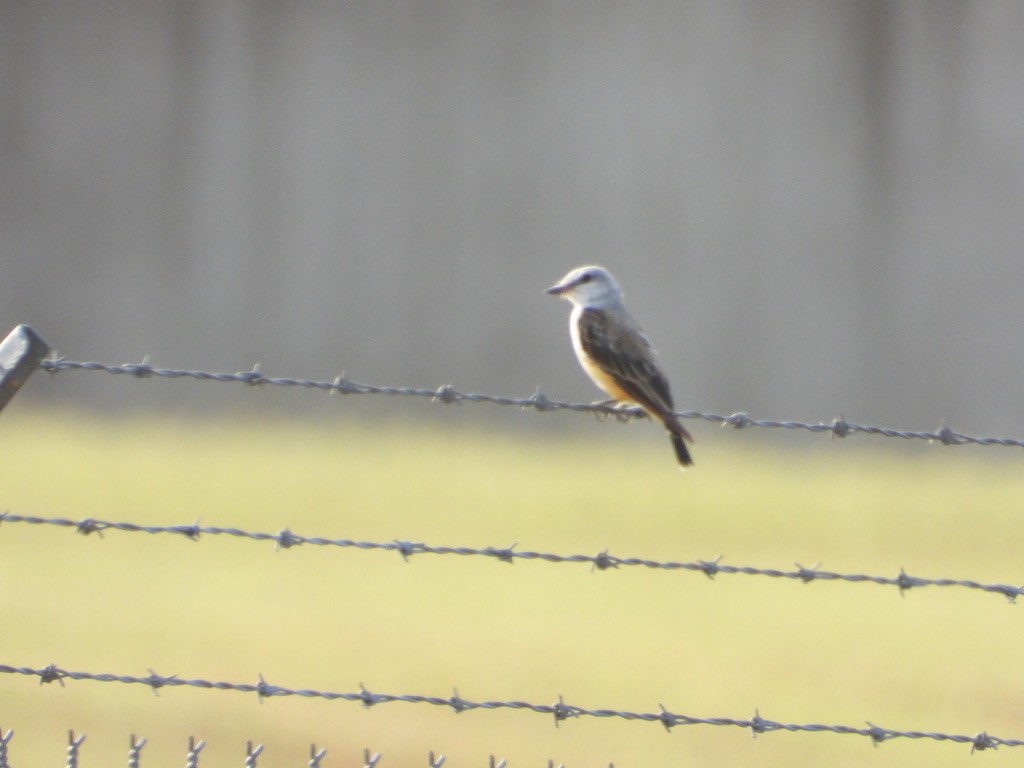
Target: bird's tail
(682,453)
(679,437)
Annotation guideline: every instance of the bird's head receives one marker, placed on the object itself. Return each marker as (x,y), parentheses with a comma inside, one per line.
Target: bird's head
(588,287)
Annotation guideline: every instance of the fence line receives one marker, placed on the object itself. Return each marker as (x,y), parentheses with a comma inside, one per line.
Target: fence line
(252,753)
(28,355)
(559,710)
(135,745)
(838,427)
(603,561)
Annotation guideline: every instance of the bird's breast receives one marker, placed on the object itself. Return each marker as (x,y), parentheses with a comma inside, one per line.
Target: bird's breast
(598,375)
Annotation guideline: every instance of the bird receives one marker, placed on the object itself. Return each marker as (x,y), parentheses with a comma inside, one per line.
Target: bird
(615,353)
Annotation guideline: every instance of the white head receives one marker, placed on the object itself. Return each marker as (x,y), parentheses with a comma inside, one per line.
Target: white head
(588,287)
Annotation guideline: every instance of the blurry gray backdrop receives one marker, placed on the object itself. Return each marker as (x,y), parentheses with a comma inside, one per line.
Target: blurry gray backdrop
(815,208)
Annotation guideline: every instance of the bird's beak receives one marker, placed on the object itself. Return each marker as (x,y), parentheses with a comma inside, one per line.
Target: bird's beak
(558,290)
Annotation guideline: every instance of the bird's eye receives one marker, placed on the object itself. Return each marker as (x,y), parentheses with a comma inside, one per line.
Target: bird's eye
(586,278)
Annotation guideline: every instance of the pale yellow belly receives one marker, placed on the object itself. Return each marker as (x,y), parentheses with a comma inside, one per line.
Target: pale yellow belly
(603,380)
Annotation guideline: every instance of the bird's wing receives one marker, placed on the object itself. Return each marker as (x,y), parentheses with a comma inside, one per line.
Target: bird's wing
(619,348)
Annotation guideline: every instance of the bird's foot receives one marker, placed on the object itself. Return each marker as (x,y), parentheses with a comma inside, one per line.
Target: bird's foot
(620,410)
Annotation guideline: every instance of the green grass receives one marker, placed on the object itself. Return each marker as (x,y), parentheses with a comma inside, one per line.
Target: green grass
(226,609)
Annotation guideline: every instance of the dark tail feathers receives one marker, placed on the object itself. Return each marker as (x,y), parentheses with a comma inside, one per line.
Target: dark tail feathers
(682,454)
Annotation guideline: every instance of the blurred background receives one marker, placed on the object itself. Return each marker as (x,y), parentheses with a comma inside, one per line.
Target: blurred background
(815,210)
(813,207)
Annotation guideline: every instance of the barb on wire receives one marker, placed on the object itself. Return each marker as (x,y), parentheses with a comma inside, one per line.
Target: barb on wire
(134,750)
(5,739)
(194,747)
(601,561)
(74,745)
(315,756)
(252,753)
(558,711)
(838,427)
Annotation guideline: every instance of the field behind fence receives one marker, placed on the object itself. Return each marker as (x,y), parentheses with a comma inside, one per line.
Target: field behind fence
(385,590)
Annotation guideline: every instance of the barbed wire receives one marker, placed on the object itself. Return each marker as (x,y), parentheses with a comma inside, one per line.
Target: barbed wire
(837,428)
(558,710)
(252,753)
(603,561)
(135,745)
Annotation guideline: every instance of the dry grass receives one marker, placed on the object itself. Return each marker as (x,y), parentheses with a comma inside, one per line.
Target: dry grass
(226,609)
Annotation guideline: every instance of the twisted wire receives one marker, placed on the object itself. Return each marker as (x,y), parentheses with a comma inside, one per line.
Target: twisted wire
(603,561)
(559,711)
(838,427)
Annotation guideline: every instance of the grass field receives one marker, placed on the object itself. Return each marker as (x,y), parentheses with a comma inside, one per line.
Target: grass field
(942,659)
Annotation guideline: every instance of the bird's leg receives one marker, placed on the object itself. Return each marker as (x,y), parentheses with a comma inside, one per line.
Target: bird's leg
(626,411)
(622,410)
(602,414)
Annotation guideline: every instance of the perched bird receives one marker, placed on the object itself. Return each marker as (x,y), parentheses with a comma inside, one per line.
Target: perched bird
(614,351)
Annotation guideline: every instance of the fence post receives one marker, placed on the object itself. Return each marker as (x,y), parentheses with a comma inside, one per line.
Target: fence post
(20,354)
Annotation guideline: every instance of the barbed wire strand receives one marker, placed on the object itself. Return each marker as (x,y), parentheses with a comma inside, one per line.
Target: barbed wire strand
(838,427)
(559,710)
(602,561)
(316,754)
